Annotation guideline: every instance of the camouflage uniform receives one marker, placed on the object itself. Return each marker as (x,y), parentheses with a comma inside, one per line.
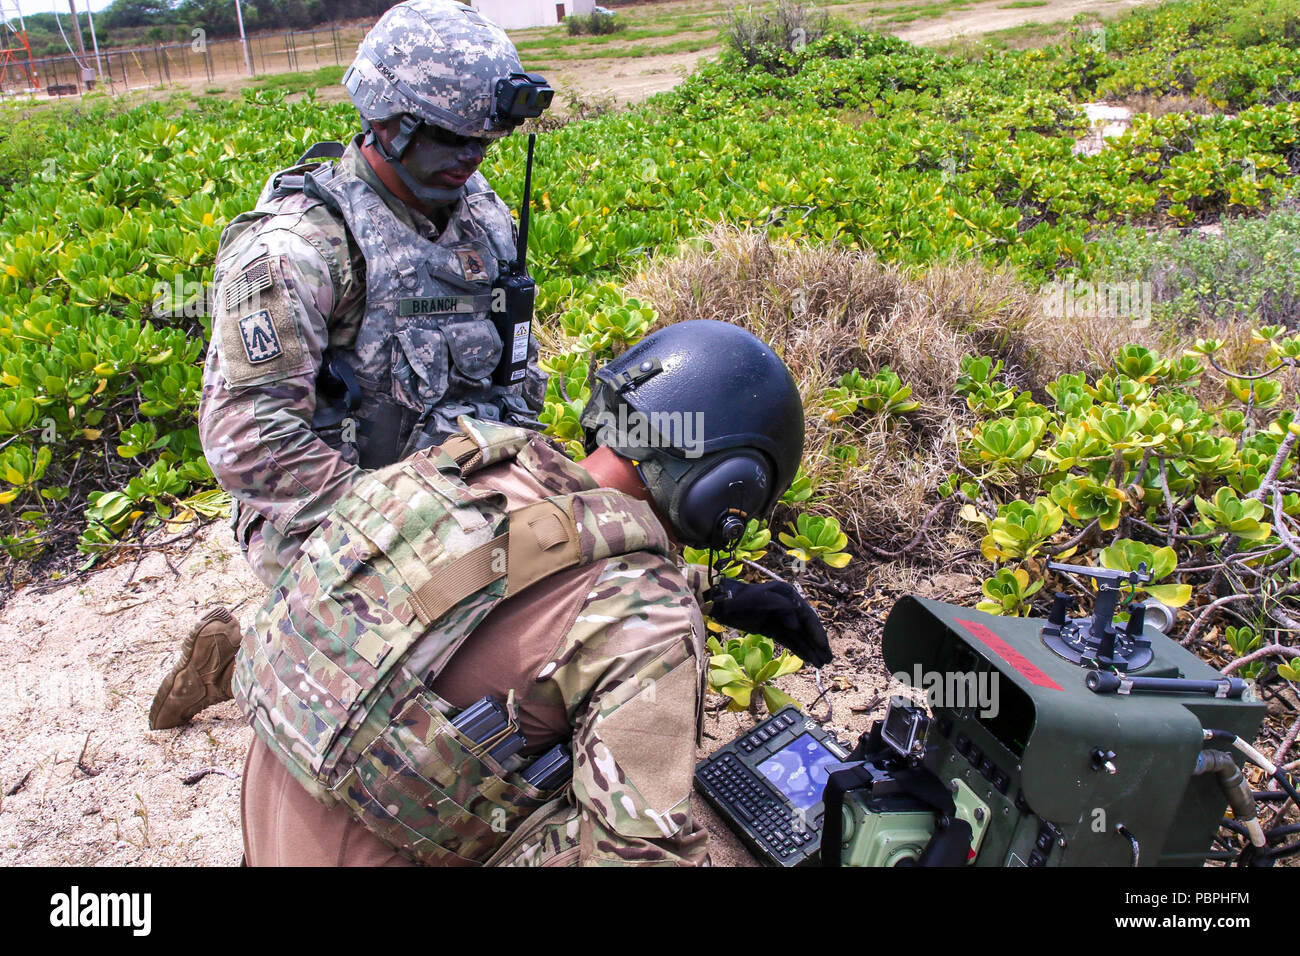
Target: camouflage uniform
(608,654)
(292,280)
(331,259)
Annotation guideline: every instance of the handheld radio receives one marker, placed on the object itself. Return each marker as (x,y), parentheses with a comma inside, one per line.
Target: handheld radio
(514,294)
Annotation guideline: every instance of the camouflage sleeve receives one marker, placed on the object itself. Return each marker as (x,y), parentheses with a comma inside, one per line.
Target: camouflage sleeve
(630,672)
(697,579)
(273,298)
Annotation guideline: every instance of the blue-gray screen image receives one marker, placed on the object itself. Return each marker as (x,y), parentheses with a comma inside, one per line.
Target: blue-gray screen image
(799,770)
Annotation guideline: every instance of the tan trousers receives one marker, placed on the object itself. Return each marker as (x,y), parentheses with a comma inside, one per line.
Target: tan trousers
(285,826)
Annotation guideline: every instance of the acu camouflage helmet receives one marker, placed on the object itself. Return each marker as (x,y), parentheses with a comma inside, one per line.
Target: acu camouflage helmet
(438,61)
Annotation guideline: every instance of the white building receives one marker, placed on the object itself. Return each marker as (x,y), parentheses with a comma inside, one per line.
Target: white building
(521,14)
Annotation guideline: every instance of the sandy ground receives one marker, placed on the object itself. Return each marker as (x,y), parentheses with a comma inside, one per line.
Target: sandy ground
(80,665)
(85,781)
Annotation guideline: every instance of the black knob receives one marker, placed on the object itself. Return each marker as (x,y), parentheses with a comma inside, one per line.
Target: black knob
(1102,682)
(1137,618)
(1060,605)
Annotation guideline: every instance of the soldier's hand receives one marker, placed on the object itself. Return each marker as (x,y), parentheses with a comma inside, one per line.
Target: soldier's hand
(773,609)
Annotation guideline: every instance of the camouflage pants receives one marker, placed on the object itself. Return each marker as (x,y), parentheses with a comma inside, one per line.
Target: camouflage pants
(267,551)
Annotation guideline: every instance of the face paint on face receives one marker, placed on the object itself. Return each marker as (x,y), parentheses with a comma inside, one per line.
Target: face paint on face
(443,159)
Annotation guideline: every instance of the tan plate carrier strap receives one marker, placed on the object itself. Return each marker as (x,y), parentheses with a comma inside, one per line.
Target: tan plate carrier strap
(541,539)
(464,451)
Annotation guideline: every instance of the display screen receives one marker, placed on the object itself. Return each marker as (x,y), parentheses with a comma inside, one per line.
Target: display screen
(799,770)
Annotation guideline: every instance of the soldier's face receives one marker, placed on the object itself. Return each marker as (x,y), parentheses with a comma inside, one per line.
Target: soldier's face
(441,158)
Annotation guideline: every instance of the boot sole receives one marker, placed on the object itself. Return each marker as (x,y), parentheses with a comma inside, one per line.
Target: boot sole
(187,653)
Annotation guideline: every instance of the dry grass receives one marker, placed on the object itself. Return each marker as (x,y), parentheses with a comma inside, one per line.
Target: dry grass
(829,309)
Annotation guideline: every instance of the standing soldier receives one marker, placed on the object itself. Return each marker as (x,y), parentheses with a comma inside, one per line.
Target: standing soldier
(352,320)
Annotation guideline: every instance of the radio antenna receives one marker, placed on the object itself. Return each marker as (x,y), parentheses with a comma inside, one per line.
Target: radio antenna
(525,214)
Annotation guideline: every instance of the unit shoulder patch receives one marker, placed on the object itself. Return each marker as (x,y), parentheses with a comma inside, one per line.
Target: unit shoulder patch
(257,327)
(261,343)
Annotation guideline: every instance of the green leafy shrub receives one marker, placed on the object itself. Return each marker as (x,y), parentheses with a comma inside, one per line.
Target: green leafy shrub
(1243,640)
(800,490)
(1084,499)
(597,24)
(816,538)
(1020,529)
(1004,443)
(1248,271)
(984,394)
(1172,477)
(881,394)
(751,547)
(765,40)
(1229,513)
(743,669)
(1008,592)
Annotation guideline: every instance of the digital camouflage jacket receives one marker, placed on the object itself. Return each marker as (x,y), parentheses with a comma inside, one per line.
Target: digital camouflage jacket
(300,274)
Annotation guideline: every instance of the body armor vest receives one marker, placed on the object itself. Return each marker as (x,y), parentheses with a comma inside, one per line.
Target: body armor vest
(426,349)
(336,676)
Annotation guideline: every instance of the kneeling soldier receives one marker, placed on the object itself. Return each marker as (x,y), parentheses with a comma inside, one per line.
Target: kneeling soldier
(416,700)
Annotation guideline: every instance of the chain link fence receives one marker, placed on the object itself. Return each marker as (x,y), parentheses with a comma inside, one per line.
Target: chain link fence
(200,61)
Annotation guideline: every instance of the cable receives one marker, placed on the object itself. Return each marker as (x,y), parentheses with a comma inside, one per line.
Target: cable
(1285,784)
(55,8)
(1137,850)
(1270,796)
(1234,826)
(1255,757)
(1291,849)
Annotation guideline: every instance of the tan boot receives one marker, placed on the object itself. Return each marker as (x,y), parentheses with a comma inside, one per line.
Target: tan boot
(202,676)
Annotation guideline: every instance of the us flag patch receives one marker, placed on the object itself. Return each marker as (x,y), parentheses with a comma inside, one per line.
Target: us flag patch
(260,341)
(253,280)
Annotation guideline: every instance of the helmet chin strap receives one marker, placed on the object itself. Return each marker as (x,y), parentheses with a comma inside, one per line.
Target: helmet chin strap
(429,195)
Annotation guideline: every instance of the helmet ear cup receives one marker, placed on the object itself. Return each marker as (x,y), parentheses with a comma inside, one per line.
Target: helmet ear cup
(717,504)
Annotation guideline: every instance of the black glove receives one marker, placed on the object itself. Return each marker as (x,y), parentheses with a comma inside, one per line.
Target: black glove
(773,609)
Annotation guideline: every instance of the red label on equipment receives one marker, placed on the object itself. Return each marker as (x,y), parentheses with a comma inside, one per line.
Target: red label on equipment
(1024,667)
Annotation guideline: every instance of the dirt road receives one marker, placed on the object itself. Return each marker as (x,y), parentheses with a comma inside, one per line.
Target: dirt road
(632,80)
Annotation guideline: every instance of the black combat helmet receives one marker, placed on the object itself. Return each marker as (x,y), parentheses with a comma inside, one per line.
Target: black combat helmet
(713,419)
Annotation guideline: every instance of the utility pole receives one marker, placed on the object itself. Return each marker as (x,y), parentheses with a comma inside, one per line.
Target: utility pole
(85,77)
(76,28)
(239,14)
(94,40)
